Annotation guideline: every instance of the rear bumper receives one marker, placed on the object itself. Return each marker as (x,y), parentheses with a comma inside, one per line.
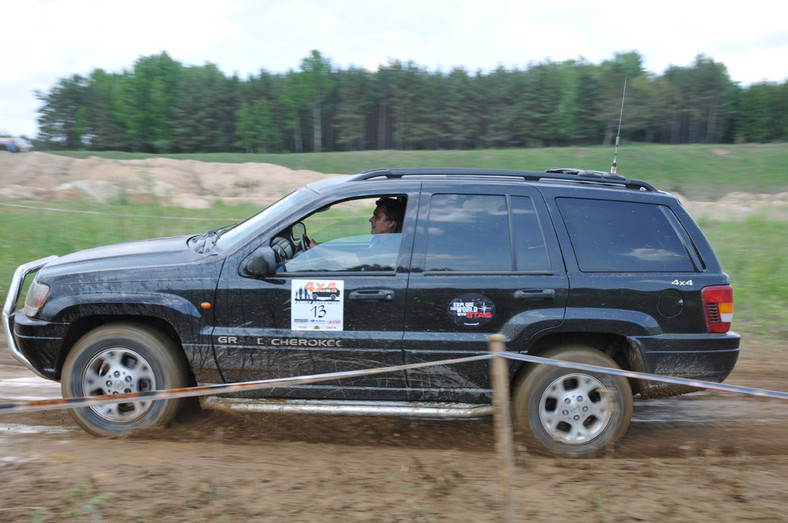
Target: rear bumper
(707,357)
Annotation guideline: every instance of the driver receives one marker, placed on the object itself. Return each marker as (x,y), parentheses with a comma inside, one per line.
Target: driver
(387,218)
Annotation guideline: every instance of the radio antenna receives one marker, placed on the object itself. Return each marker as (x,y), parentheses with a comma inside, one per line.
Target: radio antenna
(618,134)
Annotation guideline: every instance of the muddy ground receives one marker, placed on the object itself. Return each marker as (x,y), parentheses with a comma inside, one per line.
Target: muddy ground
(709,456)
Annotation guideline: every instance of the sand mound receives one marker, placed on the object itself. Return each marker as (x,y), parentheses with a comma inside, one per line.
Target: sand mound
(187,183)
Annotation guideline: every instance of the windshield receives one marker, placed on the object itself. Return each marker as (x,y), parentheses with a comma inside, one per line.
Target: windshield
(250,227)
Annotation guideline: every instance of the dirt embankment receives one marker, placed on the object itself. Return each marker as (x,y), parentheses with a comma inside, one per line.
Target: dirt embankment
(184,183)
(193,184)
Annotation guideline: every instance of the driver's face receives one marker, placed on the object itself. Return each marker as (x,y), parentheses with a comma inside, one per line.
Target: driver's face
(380,225)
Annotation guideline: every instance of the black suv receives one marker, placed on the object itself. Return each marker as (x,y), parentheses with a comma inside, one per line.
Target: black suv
(576,265)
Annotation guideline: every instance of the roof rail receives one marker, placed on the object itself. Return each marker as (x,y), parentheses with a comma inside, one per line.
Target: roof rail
(561,174)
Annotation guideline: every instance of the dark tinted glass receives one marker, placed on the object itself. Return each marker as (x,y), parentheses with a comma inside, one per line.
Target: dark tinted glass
(528,238)
(623,236)
(468,232)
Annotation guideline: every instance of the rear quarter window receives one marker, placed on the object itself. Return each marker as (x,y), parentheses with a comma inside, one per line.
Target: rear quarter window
(530,250)
(617,236)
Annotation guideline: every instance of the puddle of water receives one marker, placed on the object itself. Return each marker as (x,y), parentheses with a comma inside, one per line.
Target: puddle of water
(28,389)
(15,459)
(17,428)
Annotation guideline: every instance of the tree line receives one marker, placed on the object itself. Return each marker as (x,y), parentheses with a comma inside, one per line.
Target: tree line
(163,106)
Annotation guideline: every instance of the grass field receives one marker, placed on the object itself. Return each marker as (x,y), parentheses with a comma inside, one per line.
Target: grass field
(753,251)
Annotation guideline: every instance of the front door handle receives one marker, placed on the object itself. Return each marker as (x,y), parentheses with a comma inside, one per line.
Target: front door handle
(535,294)
(372,294)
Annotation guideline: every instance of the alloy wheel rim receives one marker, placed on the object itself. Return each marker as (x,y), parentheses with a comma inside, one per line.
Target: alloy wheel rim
(118,371)
(575,408)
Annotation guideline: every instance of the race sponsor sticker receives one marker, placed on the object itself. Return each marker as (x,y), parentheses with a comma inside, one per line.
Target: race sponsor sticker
(317,305)
(471,310)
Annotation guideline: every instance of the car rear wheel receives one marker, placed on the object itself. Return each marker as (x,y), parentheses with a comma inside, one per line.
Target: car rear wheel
(123,358)
(571,412)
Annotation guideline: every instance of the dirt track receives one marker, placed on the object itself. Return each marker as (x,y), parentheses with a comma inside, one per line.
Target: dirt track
(703,457)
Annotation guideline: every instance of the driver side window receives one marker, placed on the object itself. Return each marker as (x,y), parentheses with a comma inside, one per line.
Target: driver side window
(349,236)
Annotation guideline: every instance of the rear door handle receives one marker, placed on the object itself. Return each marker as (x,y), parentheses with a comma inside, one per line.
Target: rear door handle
(535,294)
(372,294)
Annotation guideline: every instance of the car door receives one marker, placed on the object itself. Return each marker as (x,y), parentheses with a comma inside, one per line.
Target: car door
(337,307)
(485,261)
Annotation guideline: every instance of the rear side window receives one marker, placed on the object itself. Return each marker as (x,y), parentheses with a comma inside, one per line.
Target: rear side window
(615,236)
(473,232)
(468,232)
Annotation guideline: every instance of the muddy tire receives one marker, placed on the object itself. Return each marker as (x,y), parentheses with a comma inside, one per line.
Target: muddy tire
(119,358)
(567,412)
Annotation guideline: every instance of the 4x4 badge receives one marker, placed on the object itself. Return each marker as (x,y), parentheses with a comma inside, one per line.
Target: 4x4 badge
(471,310)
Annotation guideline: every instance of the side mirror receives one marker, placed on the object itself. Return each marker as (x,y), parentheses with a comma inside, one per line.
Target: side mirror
(261,263)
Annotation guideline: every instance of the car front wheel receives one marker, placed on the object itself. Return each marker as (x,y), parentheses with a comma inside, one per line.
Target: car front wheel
(570,412)
(122,358)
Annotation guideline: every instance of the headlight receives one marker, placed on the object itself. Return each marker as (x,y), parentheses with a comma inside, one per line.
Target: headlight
(37,294)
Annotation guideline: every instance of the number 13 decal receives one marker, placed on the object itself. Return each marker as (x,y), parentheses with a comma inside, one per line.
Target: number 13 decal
(317,305)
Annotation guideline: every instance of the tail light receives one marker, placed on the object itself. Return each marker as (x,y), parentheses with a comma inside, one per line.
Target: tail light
(718,307)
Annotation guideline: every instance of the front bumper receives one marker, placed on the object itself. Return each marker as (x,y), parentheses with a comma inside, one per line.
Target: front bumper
(14,290)
(38,343)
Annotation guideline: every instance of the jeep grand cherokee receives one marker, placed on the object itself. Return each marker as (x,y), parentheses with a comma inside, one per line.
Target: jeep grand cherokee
(576,265)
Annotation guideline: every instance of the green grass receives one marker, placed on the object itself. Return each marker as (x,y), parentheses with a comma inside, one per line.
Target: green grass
(697,171)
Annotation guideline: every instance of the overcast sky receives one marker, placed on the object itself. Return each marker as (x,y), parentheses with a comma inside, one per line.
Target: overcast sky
(45,40)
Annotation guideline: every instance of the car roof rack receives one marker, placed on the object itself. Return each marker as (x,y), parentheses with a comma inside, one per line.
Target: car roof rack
(559,174)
